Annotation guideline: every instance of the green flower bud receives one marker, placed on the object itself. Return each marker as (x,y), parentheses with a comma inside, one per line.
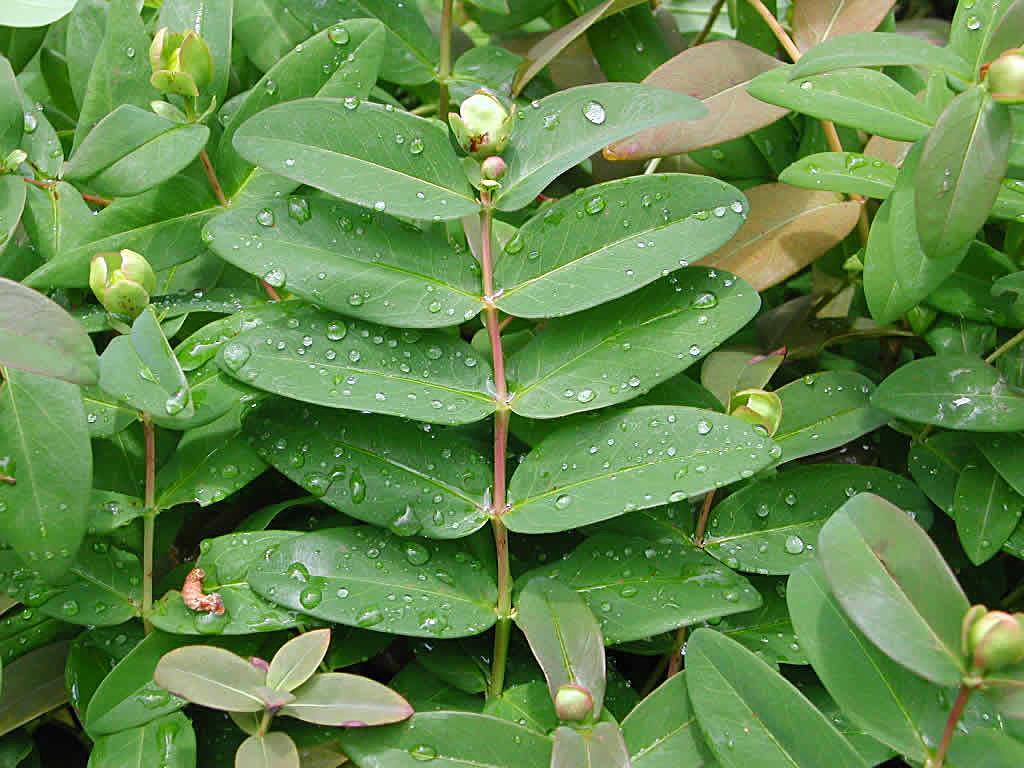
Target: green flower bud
(573,703)
(493,168)
(123,281)
(483,125)
(757,407)
(182,63)
(995,640)
(1005,78)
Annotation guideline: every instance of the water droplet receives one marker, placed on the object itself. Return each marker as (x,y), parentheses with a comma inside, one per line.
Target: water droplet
(594,113)
(594,205)
(806,85)
(357,487)
(310,598)
(355,300)
(423,752)
(298,209)
(706,300)
(416,146)
(176,402)
(703,427)
(790,499)
(69,608)
(336,330)
(351,102)
(129,52)
(585,395)
(265,218)
(416,553)
(369,618)
(794,545)
(338,34)
(236,354)
(30,123)
(275,277)
(563,501)
(973,23)
(270,86)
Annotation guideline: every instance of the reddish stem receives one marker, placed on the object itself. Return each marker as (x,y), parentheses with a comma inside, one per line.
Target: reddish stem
(951,721)
(51,186)
(271,292)
(702,521)
(211,176)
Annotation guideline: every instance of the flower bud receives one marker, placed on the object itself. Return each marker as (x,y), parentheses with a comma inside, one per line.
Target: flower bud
(182,63)
(757,407)
(995,639)
(483,125)
(493,168)
(1005,78)
(573,703)
(122,281)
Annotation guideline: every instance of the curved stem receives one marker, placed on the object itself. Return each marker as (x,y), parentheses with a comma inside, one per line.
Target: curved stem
(211,176)
(702,520)
(1003,349)
(709,24)
(148,521)
(444,68)
(939,757)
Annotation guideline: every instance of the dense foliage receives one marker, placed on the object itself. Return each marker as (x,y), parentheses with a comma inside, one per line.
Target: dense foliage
(511,383)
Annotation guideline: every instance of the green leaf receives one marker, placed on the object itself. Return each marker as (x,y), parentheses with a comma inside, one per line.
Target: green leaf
(37,335)
(24,631)
(681,318)
(344,575)
(528,704)
(211,20)
(986,510)
(273,750)
(846,172)
(142,370)
(599,746)
(54,217)
(428,376)
(34,13)
(622,577)
(44,445)
(169,742)
(960,173)
(952,391)
(321,142)
(212,677)
(449,740)
(662,732)
(1006,32)
(226,561)
(985,748)
(877,49)
(767,631)
(751,715)
(564,636)
(426,692)
(772,525)
(318,68)
(1006,454)
(91,656)
(936,463)
(103,588)
(298,659)
(12,118)
(889,701)
(859,98)
(12,204)
(893,583)
(209,464)
(342,258)
(972,28)
(341,699)
(33,686)
(120,69)
(563,129)
(132,150)
(384,471)
(610,239)
(644,457)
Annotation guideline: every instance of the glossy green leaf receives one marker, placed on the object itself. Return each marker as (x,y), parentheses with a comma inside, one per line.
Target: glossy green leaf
(893,583)
(426,692)
(449,740)
(12,204)
(132,150)
(103,587)
(44,499)
(34,13)
(972,28)
(54,217)
(936,463)
(772,525)
(859,98)
(888,700)
(767,631)
(11,118)
(986,510)
(33,685)
(1006,32)
(37,335)
(528,704)
(169,742)
(274,750)
(623,579)
(960,173)
(662,732)
(141,369)
(877,49)
(322,143)
(751,715)
(563,129)
(342,258)
(429,376)
(212,677)
(91,657)
(564,636)
(1005,452)
(846,172)
(209,464)
(341,699)
(644,457)
(609,240)
(226,561)
(985,748)
(383,471)
(298,659)
(344,575)
(599,746)
(952,391)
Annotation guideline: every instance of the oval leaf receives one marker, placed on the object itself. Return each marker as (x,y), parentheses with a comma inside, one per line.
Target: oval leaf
(212,677)
(662,732)
(297,660)
(272,750)
(846,172)
(337,698)
(986,509)
(168,742)
(877,49)
(817,20)
(600,746)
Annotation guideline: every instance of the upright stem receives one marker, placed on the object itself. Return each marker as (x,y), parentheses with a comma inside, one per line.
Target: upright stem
(503,629)
(939,757)
(211,176)
(148,521)
(709,24)
(702,520)
(444,69)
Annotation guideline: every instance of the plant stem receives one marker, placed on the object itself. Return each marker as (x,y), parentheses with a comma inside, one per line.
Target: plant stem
(1003,349)
(702,519)
(831,135)
(712,18)
(265,722)
(675,656)
(211,176)
(503,629)
(444,69)
(148,521)
(939,757)
(51,186)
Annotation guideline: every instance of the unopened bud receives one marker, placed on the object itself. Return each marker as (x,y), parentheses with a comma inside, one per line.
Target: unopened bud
(123,281)
(493,168)
(995,639)
(482,125)
(182,63)
(1005,78)
(573,703)
(757,407)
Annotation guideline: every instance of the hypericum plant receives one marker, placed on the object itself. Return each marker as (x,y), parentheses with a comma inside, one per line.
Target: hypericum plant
(375,351)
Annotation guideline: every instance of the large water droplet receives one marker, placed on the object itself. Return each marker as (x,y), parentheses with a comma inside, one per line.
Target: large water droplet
(236,354)
(416,553)
(338,34)
(265,218)
(563,501)
(298,209)
(357,487)
(176,402)
(794,545)
(594,112)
